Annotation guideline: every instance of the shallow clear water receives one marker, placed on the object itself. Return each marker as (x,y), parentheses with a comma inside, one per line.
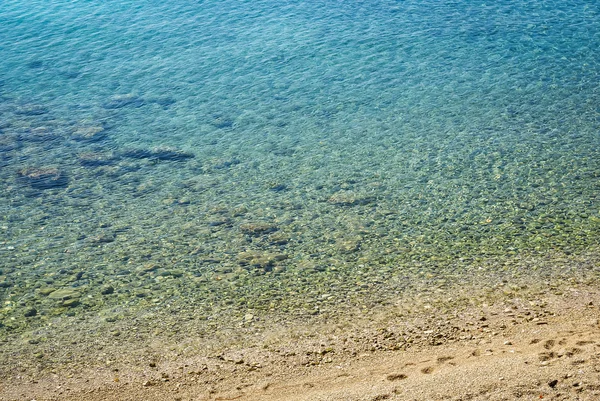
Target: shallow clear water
(266,155)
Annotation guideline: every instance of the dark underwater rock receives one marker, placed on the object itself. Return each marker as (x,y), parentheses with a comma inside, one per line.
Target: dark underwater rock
(162,101)
(119,101)
(96,159)
(8,143)
(222,122)
(258,228)
(69,74)
(31,110)
(35,64)
(172,154)
(168,154)
(223,164)
(137,154)
(30,312)
(43,177)
(91,133)
(38,134)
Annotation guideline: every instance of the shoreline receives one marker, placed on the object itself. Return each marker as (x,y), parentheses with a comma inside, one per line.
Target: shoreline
(518,344)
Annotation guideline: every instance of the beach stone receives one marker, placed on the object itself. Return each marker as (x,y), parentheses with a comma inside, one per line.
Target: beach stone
(43,177)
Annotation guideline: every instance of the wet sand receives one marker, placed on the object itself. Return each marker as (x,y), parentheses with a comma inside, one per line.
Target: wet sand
(539,346)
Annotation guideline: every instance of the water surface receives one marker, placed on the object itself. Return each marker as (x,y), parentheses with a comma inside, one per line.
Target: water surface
(236,159)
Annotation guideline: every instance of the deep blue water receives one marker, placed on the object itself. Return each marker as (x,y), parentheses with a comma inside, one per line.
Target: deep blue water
(159,148)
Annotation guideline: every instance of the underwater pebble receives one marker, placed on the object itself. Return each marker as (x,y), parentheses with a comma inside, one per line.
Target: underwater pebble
(255,229)
(107,290)
(30,312)
(64,294)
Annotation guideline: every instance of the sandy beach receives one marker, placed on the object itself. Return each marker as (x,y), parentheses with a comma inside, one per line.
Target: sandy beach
(299,200)
(537,347)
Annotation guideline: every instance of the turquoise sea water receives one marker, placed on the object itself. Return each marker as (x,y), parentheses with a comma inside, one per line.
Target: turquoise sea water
(240,158)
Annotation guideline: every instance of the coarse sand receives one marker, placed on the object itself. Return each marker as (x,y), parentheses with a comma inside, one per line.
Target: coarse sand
(509,350)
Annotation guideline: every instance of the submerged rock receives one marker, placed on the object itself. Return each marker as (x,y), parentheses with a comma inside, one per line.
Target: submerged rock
(8,143)
(43,177)
(349,198)
(107,290)
(102,238)
(64,294)
(35,64)
(38,134)
(160,153)
(226,163)
(30,312)
(119,101)
(171,154)
(94,159)
(137,153)
(165,102)
(259,228)
(71,302)
(222,122)
(261,260)
(89,133)
(347,245)
(31,110)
